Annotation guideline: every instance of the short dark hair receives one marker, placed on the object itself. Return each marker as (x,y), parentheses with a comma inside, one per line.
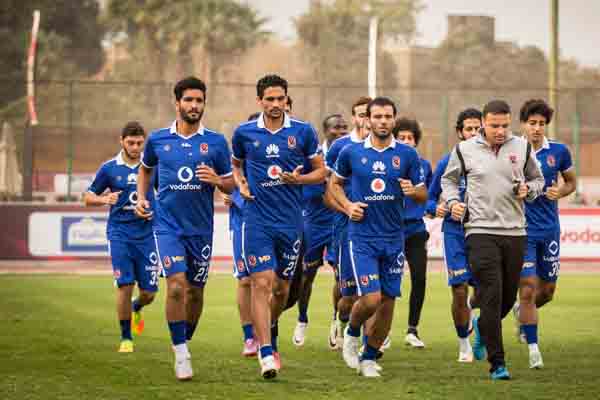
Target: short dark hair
(253,116)
(362,100)
(469,113)
(408,124)
(536,106)
(270,81)
(327,120)
(133,128)
(191,82)
(290,102)
(382,102)
(496,107)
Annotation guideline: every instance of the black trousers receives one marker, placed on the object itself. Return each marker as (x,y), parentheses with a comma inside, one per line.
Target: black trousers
(496,262)
(415,249)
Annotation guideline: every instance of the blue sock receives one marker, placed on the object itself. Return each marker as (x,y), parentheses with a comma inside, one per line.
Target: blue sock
(177,329)
(248,332)
(274,334)
(370,353)
(266,350)
(530,332)
(125,329)
(365,340)
(462,331)
(190,328)
(136,305)
(352,331)
(303,314)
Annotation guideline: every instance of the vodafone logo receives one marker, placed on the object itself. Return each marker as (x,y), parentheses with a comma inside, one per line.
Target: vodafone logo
(580,236)
(274,171)
(185,174)
(378,185)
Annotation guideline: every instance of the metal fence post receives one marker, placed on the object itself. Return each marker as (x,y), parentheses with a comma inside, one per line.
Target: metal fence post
(70,142)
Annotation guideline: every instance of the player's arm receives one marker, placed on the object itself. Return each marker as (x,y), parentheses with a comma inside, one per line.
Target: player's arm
(239,179)
(99,194)
(224,183)
(329,199)
(355,211)
(534,179)
(142,208)
(434,207)
(450,187)
(316,176)
(414,187)
(569,185)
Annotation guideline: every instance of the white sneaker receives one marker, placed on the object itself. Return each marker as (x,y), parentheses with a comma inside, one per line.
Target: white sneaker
(378,367)
(333,334)
(535,360)
(413,340)
(350,350)
(387,343)
(183,368)
(268,367)
(299,334)
(465,351)
(368,369)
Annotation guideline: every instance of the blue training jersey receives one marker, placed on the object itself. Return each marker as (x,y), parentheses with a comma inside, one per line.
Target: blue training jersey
(413,217)
(185,206)
(315,212)
(266,155)
(236,210)
(542,214)
(435,191)
(115,175)
(374,176)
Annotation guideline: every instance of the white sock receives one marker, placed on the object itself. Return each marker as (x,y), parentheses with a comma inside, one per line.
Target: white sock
(181,351)
(533,348)
(464,344)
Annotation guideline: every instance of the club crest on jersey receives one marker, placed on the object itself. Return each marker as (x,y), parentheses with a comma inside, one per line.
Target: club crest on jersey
(204,148)
(364,280)
(379,167)
(252,261)
(512,157)
(396,162)
(167,262)
(378,185)
(292,142)
(551,161)
(274,171)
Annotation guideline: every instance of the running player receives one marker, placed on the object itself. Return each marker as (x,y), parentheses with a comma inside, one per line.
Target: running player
(459,272)
(408,131)
(272,149)
(192,161)
(318,227)
(542,259)
(132,249)
(383,172)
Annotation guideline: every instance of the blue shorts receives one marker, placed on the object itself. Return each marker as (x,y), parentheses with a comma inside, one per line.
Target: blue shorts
(239,266)
(344,265)
(189,254)
(455,256)
(317,239)
(135,262)
(274,249)
(542,258)
(377,266)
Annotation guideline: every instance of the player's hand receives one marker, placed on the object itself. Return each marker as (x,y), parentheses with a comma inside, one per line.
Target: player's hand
(522,191)
(356,210)
(142,209)
(553,192)
(245,189)
(112,198)
(227,200)
(292,178)
(206,174)
(458,211)
(407,187)
(441,210)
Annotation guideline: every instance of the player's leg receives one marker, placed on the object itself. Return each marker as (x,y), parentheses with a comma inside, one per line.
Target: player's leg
(524,310)
(146,275)
(416,256)
(548,269)
(124,274)
(198,255)
(243,295)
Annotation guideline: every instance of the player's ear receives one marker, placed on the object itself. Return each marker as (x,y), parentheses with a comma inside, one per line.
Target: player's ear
(258,101)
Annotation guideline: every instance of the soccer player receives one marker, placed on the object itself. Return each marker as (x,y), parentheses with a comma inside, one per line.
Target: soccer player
(408,131)
(345,292)
(459,271)
(132,250)
(542,258)
(383,172)
(272,149)
(318,227)
(192,161)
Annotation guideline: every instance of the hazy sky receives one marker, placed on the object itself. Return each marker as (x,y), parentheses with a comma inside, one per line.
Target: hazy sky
(526,22)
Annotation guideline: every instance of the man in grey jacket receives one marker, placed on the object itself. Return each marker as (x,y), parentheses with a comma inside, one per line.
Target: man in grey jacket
(501,173)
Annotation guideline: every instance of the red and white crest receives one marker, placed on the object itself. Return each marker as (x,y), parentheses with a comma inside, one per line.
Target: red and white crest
(364,280)
(512,157)
(167,262)
(252,261)
(117,273)
(204,148)
(551,160)
(240,266)
(396,162)
(378,185)
(292,142)
(274,171)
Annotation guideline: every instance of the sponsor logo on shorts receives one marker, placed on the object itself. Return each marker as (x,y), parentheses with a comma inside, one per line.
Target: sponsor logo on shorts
(553,248)
(291,142)
(252,261)
(264,259)
(528,265)
(167,262)
(204,148)
(153,258)
(117,273)
(206,252)
(348,284)
(177,258)
(453,273)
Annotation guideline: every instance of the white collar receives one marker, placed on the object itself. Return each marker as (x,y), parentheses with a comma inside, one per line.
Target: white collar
(545,145)
(173,130)
(260,122)
(120,161)
(354,136)
(369,145)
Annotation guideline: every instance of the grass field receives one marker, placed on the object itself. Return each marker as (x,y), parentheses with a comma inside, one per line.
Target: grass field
(58,340)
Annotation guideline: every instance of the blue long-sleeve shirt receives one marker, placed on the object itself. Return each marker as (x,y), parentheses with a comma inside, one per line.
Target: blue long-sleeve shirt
(414,212)
(435,190)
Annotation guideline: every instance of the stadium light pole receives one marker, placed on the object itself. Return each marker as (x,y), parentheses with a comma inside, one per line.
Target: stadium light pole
(553,66)
(372,60)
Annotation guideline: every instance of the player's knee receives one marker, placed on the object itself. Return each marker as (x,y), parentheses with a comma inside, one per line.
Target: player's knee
(547,293)
(146,297)
(175,290)
(195,295)
(262,284)
(245,283)
(527,289)
(372,300)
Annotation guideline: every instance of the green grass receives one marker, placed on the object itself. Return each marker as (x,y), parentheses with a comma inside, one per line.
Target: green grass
(58,340)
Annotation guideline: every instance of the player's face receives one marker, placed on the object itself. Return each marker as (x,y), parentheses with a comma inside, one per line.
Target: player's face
(338,128)
(407,137)
(359,118)
(133,146)
(496,127)
(535,128)
(470,128)
(382,121)
(191,106)
(273,102)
